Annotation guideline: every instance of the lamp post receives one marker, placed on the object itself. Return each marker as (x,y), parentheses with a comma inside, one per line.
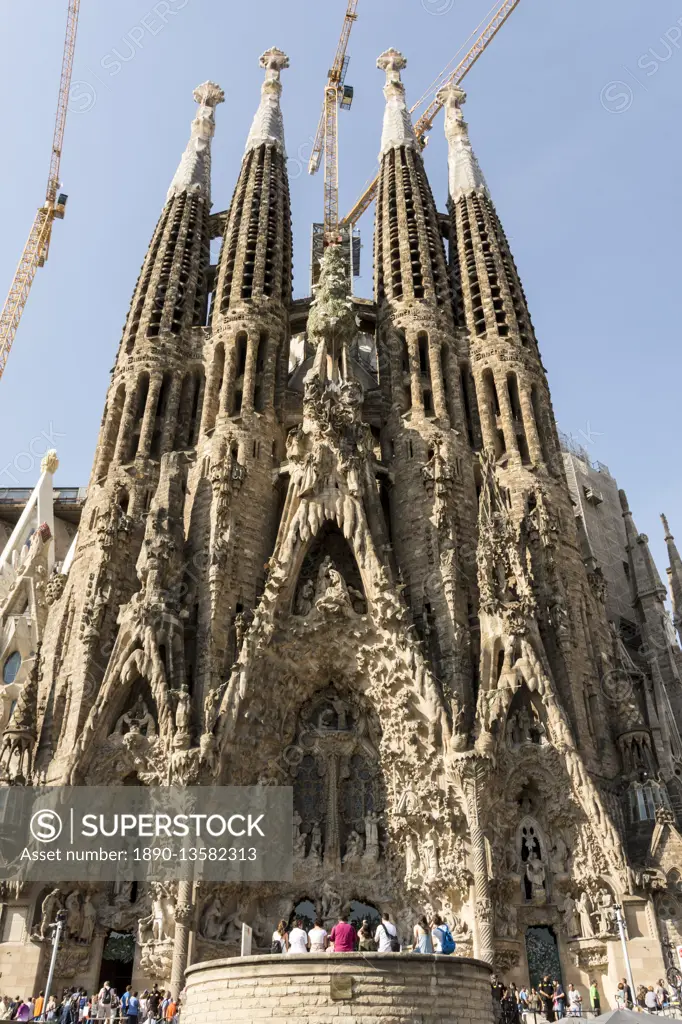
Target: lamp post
(58,928)
(620,921)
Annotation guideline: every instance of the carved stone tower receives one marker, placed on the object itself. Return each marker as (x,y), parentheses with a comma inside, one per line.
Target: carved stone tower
(358,576)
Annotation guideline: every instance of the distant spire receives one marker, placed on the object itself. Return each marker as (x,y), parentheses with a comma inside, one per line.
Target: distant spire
(268,125)
(194,172)
(674,576)
(644,574)
(398,128)
(465,174)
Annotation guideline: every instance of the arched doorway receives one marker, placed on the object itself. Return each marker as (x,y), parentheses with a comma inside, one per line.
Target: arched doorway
(117,960)
(542,952)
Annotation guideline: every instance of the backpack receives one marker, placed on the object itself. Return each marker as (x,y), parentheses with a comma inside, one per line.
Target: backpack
(277,946)
(106,998)
(447,943)
(393,940)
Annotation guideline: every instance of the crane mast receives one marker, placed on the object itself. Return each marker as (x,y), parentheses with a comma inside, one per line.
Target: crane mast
(37,247)
(425,122)
(336,94)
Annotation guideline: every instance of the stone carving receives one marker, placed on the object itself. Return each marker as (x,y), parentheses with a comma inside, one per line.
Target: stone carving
(159,925)
(536,877)
(571,921)
(50,906)
(137,721)
(584,907)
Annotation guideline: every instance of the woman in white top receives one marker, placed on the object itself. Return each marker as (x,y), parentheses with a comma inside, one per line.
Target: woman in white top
(298,940)
(317,937)
(279,938)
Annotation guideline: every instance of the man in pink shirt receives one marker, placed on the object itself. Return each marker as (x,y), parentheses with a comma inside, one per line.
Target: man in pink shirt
(343,936)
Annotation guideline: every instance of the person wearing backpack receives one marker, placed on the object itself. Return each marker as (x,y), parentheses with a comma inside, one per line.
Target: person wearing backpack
(441,937)
(105,1000)
(386,936)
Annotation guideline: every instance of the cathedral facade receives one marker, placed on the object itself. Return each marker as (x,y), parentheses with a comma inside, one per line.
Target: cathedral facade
(361,576)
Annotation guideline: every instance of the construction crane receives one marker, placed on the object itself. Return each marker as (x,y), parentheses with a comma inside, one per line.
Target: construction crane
(425,122)
(336,94)
(38,245)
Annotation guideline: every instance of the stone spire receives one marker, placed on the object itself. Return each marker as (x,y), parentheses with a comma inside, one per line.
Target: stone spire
(464,172)
(268,125)
(674,576)
(194,171)
(256,257)
(398,129)
(645,577)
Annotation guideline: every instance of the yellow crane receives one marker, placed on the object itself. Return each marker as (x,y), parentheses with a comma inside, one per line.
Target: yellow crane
(425,122)
(37,247)
(336,94)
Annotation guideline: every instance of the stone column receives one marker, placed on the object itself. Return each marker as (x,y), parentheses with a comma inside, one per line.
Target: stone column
(506,416)
(126,424)
(437,383)
(250,369)
(168,434)
(415,371)
(147,428)
(488,427)
(183,918)
(530,426)
(469,771)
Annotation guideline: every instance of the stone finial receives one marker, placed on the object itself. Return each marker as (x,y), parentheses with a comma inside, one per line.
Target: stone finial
(398,129)
(668,534)
(464,172)
(392,61)
(50,462)
(274,60)
(268,126)
(209,95)
(194,171)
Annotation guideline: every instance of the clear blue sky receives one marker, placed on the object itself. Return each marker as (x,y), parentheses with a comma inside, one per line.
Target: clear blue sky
(585,176)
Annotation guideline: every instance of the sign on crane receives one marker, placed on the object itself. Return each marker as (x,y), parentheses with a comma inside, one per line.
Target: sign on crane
(38,245)
(425,122)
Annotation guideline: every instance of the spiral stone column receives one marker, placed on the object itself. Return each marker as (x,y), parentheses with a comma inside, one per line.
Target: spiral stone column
(469,772)
(183,918)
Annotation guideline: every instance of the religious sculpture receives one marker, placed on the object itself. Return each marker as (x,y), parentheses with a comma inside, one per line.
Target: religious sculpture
(584,905)
(535,879)
(74,914)
(48,911)
(571,922)
(89,920)
(137,720)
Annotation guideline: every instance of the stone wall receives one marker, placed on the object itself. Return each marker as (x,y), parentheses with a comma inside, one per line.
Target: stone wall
(354,988)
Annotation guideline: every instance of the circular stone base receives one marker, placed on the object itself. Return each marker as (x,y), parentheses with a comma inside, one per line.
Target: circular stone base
(354,988)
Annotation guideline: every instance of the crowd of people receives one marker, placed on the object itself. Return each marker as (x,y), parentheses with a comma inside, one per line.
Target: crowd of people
(433,937)
(553,1001)
(76,1005)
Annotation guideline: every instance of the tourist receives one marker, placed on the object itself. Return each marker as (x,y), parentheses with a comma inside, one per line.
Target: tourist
(559,999)
(575,1002)
(621,997)
(318,937)
(522,996)
(298,939)
(546,990)
(279,938)
(386,935)
(23,1011)
(366,943)
(509,1007)
(171,1010)
(133,1010)
(628,994)
(595,999)
(662,994)
(534,1001)
(343,935)
(153,1004)
(105,1001)
(422,937)
(4,1007)
(125,998)
(39,1003)
(650,1000)
(51,1011)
